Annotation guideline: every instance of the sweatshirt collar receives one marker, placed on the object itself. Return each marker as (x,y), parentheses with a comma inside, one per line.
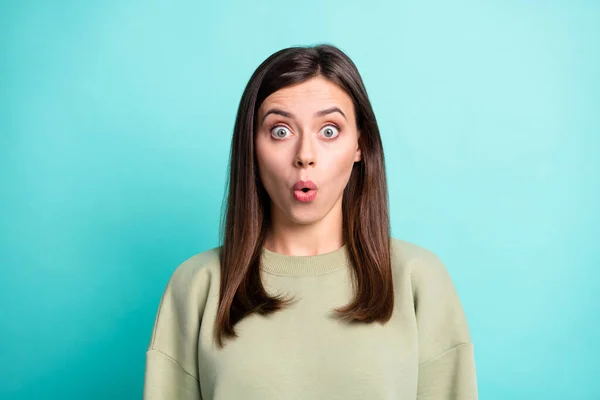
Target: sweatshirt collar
(286,265)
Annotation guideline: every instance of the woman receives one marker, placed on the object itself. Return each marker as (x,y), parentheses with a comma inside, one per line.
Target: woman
(309,297)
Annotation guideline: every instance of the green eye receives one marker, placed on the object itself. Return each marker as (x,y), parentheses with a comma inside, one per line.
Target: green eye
(279,132)
(330,131)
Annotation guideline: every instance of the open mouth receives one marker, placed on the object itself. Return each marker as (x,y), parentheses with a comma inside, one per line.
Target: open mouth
(305,191)
(305,195)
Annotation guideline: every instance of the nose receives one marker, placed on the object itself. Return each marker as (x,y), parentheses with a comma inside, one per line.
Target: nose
(304,162)
(305,156)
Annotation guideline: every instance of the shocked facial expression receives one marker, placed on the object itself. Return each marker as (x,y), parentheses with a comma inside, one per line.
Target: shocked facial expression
(306,132)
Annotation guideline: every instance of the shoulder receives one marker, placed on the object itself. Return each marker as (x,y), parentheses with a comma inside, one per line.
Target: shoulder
(413,257)
(440,317)
(419,263)
(197,273)
(192,286)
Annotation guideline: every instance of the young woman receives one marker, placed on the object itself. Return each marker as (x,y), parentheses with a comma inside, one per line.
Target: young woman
(309,297)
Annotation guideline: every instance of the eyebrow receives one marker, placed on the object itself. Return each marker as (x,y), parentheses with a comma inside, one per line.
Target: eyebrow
(286,114)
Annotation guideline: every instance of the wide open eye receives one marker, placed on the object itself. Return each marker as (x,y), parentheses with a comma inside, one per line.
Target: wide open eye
(279,132)
(330,131)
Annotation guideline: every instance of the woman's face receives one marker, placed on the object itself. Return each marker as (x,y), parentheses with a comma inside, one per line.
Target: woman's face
(306,132)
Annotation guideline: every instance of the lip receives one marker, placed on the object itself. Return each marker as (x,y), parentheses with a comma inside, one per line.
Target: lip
(305,197)
(305,184)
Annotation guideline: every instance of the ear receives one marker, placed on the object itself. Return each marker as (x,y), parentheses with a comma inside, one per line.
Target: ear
(358,155)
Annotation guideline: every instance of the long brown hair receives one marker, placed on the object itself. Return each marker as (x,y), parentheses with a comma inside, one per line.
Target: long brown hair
(366,227)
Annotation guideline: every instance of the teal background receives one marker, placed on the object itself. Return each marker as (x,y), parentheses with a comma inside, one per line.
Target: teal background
(115,126)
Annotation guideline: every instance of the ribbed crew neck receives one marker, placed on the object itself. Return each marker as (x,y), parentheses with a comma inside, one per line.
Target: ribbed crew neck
(286,265)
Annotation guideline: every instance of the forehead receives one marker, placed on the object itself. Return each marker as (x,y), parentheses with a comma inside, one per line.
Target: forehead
(314,94)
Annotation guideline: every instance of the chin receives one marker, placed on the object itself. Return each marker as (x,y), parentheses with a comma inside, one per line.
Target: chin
(304,217)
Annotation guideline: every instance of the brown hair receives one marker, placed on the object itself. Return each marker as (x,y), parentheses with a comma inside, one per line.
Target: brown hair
(366,227)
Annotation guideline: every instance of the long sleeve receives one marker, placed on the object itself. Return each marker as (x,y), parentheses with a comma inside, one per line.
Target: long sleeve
(172,357)
(166,379)
(450,376)
(446,354)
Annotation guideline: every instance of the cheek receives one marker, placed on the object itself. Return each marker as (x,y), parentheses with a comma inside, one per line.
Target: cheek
(338,173)
(262,154)
(269,165)
(340,165)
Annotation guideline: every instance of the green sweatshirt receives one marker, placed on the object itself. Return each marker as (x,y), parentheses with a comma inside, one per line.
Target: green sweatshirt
(423,352)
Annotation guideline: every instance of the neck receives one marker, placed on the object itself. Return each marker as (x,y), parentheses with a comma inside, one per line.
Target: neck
(305,239)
